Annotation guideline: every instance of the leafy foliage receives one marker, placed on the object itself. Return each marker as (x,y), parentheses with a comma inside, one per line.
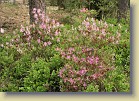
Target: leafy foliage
(90,55)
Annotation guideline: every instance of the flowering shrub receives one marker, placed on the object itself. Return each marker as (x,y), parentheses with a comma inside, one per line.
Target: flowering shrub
(86,54)
(44,32)
(82,69)
(46,56)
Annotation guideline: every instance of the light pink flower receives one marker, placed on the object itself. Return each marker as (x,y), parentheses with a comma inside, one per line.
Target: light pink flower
(90,60)
(40,32)
(84,84)
(57,24)
(71,80)
(61,72)
(75,59)
(45,44)
(103,31)
(53,21)
(100,66)
(43,26)
(35,16)
(38,11)
(38,40)
(86,23)
(83,10)
(96,60)
(34,10)
(1,30)
(96,75)
(68,57)
(56,33)
(49,43)
(82,72)
(22,29)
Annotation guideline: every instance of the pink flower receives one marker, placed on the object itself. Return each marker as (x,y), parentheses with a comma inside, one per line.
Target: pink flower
(42,16)
(78,79)
(68,57)
(82,72)
(40,32)
(22,29)
(84,84)
(75,59)
(58,49)
(86,23)
(53,21)
(90,60)
(96,75)
(43,26)
(28,39)
(100,66)
(38,40)
(35,16)
(56,33)
(71,49)
(75,87)
(34,10)
(82,59)
(61,72)
(83,10)
(96,60)
(49,43)
(38,11)
(45,44)
(57,24)
(71,80)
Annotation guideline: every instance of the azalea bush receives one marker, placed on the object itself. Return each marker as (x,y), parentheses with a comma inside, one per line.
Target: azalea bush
(89,53)
(47,56)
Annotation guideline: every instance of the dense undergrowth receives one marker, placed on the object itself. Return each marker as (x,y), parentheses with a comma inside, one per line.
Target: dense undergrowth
(85,55)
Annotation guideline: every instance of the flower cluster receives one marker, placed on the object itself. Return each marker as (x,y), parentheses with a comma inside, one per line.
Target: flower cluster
(81,68)
(43,32)
(98,31)
(84,10)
